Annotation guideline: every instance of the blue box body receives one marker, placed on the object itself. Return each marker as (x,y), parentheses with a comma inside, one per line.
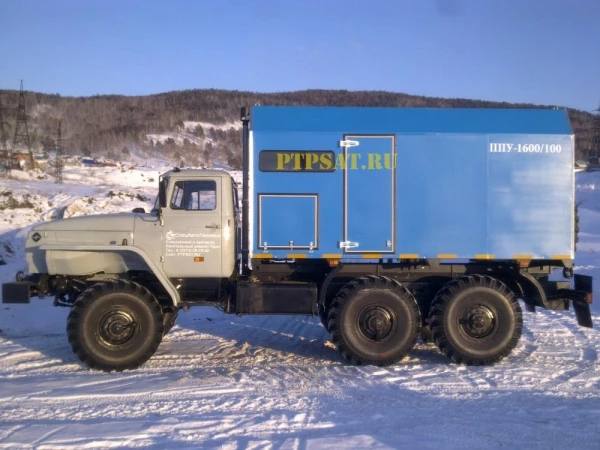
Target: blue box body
(411,183)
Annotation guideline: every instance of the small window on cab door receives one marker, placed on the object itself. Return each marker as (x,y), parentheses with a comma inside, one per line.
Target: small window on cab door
(177,199)
(197,195)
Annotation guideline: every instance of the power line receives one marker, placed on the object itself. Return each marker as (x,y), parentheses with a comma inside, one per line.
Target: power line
(21,130)
(6,154)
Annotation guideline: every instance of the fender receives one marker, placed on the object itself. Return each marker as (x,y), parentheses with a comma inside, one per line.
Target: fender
(326,282)
(164,281)
(535,294)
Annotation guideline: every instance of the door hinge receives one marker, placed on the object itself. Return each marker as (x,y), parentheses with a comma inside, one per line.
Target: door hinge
(348,143)
(347,244)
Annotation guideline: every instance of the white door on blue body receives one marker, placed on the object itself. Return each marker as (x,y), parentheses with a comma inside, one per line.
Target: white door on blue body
(369,183)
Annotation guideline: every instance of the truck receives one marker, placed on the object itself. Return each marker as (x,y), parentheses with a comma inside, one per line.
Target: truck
(389,224)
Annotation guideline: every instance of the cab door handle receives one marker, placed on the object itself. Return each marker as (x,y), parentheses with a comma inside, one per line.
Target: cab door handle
(213,226)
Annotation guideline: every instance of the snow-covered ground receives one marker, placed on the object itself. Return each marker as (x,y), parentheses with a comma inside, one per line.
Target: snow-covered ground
(221,381)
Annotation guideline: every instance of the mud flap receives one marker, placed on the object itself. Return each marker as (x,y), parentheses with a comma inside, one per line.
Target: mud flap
(583,286)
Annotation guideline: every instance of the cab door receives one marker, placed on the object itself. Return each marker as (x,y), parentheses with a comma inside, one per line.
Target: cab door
(192,229)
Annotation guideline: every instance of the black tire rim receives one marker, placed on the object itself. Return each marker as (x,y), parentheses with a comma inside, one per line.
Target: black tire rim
(478,321)
(117,327)
(377,323)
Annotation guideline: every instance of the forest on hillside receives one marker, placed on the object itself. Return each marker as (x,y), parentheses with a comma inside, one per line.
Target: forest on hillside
(113,125)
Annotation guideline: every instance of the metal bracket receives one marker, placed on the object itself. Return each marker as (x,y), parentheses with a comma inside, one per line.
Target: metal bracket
(348,143)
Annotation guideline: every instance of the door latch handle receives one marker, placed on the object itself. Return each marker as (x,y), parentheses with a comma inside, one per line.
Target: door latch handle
(213,226)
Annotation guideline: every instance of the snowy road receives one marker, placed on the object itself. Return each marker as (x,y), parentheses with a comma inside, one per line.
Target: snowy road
(275,382)
(222,381)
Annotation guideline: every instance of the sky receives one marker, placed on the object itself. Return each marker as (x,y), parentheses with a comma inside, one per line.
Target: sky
(528,51)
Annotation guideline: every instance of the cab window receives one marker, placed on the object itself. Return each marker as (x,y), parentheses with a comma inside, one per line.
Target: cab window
(197,195)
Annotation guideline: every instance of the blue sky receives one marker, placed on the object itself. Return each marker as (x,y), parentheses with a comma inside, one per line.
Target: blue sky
(533,51)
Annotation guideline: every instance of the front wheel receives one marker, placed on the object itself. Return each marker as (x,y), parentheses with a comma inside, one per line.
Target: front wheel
(115,325)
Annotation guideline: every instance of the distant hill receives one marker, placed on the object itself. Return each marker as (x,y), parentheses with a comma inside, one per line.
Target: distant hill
(199,126)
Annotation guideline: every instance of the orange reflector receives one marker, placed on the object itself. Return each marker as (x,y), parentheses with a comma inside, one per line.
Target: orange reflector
(589,298)
(524,263)
(198,258)
(333,262)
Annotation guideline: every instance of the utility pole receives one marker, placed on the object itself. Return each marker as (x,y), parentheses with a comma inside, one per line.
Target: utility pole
(59,159)
(21,131)
(6,153)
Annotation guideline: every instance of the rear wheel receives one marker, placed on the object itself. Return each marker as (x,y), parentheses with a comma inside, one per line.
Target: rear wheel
(476,320)
(115,325)
(374,320)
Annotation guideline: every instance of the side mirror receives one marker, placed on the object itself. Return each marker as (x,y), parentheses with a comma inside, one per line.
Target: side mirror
(162,194)
(139,210)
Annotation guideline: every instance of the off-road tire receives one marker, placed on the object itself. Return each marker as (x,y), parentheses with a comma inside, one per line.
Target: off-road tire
(476,320)
(374,320)
(323,310)
(115,325)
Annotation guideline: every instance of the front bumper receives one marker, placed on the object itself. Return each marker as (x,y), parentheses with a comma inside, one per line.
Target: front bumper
(24,287)
(16,292)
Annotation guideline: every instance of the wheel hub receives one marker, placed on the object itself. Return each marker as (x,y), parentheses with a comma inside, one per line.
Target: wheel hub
(117,327)
(478,321)
(376,323)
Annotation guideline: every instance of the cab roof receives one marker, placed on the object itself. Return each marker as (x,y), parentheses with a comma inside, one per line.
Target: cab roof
(193,173)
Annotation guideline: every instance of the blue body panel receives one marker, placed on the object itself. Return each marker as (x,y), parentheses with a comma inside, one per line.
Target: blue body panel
(407,182)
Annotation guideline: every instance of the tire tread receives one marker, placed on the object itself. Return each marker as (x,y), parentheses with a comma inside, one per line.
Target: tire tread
(440,305)
(346,294)
(91,294)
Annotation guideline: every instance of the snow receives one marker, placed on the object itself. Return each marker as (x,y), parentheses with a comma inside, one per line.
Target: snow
(188,128)
(220,381)
(191,125)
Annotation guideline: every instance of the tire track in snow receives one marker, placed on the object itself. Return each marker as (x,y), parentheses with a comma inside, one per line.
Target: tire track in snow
(230,379)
